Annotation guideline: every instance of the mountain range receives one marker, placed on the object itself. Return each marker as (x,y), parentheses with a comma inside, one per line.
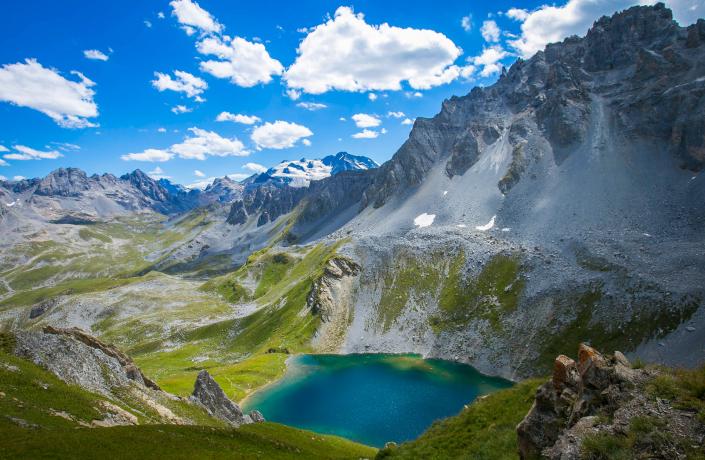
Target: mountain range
(563,204)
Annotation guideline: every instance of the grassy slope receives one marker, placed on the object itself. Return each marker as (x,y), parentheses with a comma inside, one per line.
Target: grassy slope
(490,294)
(262,441)
(30,396)
(485,429)
(246,353)
(102,256)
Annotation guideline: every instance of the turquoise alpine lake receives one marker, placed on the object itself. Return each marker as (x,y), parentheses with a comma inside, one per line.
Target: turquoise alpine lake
(370,398)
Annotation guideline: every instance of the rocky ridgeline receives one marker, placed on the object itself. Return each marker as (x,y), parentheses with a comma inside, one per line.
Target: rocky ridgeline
(639,63)
(598,396)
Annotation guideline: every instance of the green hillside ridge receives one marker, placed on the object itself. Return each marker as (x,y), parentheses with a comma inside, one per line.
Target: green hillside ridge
(42,414)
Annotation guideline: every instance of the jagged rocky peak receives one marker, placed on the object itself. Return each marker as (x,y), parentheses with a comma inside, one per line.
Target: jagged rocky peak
(638,70)
(208,394)
(224,189)
(148,186)
(63,182)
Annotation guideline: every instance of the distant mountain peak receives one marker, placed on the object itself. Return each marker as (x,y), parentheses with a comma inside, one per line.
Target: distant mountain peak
(300,173)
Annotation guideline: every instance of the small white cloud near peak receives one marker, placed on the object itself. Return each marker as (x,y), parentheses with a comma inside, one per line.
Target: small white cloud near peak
(150,155)
(158,173)
(254,167)
(372,96)
(364,120)
(366,134)
(198,173)
(95,55)
(279,135)
(238,118)
(489,60)
(396,114)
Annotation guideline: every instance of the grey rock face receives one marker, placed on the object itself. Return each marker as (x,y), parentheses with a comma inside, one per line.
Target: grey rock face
(63,182)
(73,361)
(208,394)
(647,69)
(267,201)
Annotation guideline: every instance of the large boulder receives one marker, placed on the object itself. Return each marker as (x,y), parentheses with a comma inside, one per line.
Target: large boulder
(208,394)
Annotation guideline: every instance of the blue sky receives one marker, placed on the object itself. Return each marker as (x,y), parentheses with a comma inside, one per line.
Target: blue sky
(79,82)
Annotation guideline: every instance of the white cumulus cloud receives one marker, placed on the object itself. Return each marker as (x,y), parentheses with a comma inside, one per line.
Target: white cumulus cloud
(198,173)
(243,62)
(396,114)
(204,143)
(151,155)
(279,135)
(346,53)
(364,120)
(190,14)
(183,82)
(95,55)
(198,145)
(407,121)
(29,84)
(238,118)
(26,153)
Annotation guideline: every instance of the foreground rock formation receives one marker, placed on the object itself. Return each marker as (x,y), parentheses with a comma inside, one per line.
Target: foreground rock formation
(78,358)
(208,394)
(604,397)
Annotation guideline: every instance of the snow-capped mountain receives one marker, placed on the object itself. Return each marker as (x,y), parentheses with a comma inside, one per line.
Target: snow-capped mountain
(300,173)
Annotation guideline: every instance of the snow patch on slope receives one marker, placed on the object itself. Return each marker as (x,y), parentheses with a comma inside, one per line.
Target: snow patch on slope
(424,220)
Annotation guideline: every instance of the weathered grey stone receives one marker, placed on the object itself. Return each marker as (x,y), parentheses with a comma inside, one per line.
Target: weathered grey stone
(208,394)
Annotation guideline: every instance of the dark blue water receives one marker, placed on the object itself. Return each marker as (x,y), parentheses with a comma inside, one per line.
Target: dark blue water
(370,398)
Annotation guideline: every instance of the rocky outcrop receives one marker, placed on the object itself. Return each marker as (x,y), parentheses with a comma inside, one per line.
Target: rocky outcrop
(331,299)
(79,358)
(601,396)
(208,394)
(131,370)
